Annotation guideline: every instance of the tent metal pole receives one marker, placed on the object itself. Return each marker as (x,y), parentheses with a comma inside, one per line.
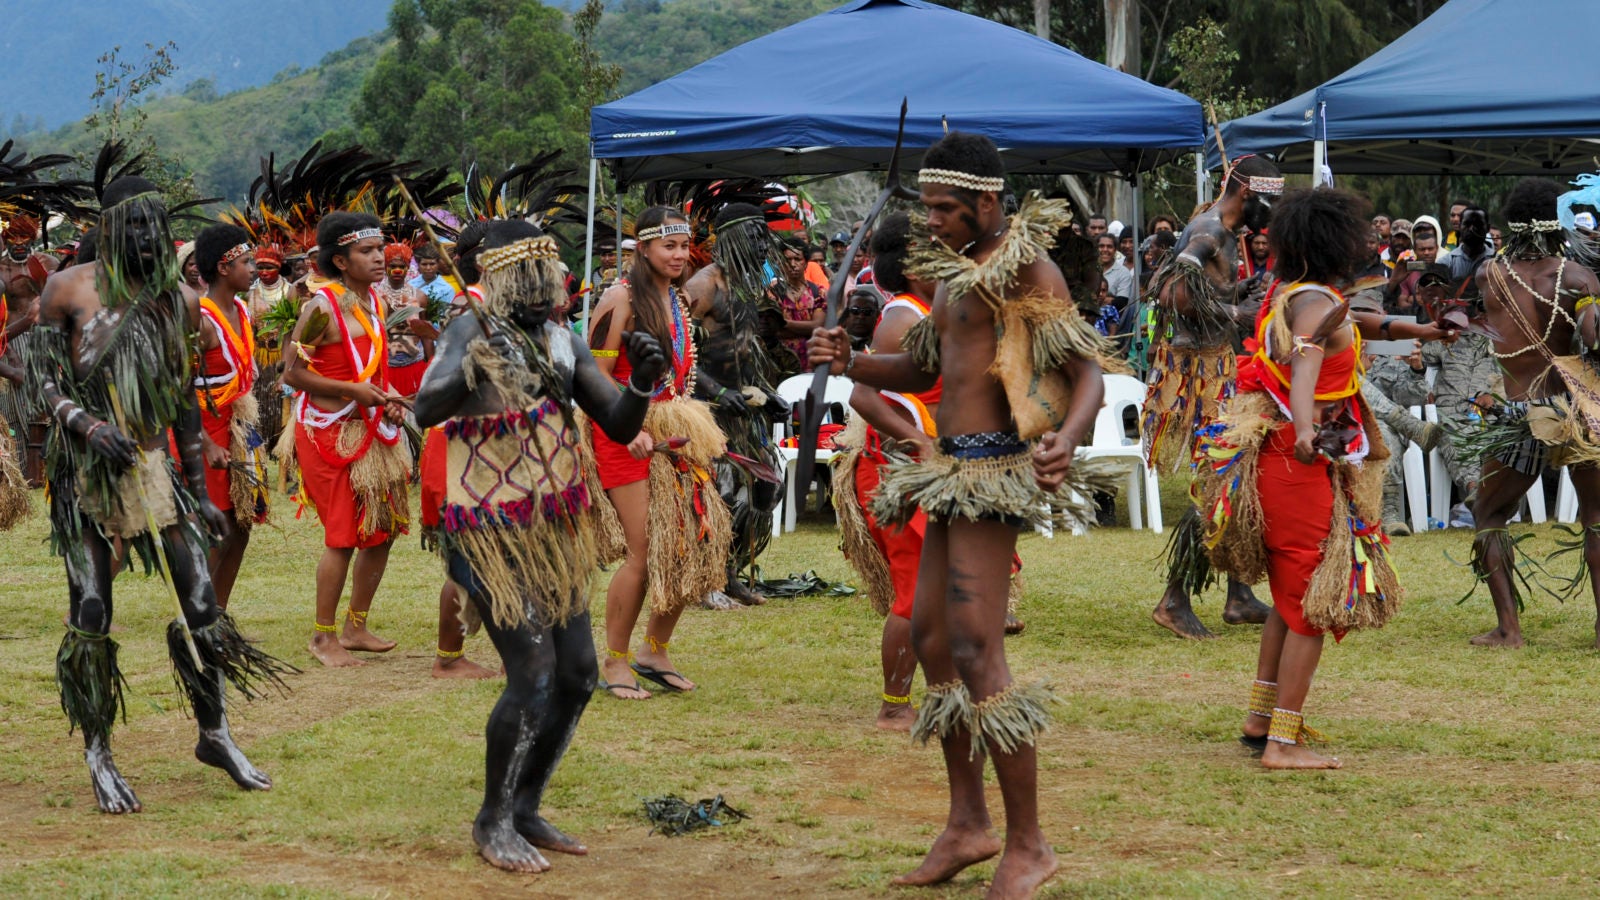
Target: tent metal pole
(1138,237)
(586,284)
(1202,179)
(1319,160)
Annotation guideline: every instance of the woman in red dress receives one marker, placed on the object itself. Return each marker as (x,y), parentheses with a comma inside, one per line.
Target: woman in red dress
(675,525)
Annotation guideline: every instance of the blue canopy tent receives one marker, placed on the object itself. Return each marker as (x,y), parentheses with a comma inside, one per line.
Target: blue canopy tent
(1481,87)
(1050,110)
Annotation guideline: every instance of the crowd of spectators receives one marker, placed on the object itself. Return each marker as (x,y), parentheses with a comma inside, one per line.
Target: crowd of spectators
(1418,267)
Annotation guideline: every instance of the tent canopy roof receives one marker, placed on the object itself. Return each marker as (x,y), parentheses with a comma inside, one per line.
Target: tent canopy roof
(1049,109)
(1481,87)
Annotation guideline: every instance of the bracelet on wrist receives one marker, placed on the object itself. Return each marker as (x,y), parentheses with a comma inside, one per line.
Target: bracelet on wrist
(851,364)
(647,393)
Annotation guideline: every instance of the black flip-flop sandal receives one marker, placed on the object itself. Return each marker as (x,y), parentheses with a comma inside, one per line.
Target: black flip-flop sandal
(1256,745)
(659,676)
(613,688)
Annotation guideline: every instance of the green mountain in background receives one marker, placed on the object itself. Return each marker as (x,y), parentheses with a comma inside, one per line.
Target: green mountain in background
(221,137)
(51,48)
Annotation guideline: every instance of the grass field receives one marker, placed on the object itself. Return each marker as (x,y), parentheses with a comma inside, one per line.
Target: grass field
(1468,771)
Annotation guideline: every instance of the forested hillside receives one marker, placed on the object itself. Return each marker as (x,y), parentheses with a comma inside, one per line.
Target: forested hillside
(50,48)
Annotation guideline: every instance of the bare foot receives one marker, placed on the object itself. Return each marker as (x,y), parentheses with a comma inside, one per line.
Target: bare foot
(743,593)
(216,748)
(111,792)
(896,717)
(328,651)
(505,849)
(717,601)
(359,638)
(1499,637)
(1021,873)
(545,836)
(1014,625)
(951,852)
(460,667)
(619,681)
(1296,756)
(1243,608)
(1176,615)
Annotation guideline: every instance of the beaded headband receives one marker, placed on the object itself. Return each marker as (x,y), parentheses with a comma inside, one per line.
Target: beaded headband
(233,254)
(1537,225)
(1262,184)
(497,258)
(360,235)
(665,229)
(960,180)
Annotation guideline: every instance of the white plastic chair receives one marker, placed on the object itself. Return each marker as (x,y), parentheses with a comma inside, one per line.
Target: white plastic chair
(1111,440)
(793,391)
(1566,499)
(1412,464)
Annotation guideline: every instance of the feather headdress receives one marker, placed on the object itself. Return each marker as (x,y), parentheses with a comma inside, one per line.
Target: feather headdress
(534,191)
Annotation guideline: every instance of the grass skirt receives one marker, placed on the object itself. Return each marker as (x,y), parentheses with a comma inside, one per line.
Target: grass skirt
(690,532)
(379,478)
(1187,390)
(14,498)
(855,535)
(247,481)
(1354,586)
(1000,487)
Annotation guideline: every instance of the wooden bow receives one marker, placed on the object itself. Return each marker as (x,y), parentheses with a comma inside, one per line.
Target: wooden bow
(811,410)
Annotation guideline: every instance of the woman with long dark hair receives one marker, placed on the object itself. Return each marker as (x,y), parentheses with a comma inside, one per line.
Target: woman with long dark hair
(675,526)
(1294,485)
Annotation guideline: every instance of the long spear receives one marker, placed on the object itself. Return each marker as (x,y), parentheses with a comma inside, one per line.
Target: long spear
(449,260)
(811,412)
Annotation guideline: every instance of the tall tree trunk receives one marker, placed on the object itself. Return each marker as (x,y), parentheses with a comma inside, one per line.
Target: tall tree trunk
(1041,18)
(1122,54)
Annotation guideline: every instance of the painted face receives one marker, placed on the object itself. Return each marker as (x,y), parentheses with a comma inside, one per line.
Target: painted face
(141,241)
(950,218)
(1258,210)
(268,272)
(397,272)
(667,256)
